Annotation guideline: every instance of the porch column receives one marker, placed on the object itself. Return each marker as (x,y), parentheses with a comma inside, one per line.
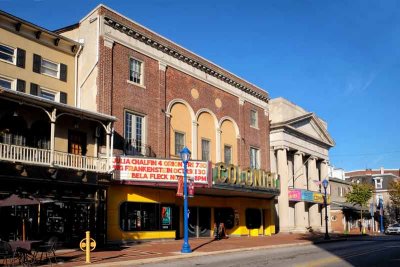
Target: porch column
(218,146)
(325,175)
(300,182)
(283,199)
(108,137)
(313,213)
(53,119)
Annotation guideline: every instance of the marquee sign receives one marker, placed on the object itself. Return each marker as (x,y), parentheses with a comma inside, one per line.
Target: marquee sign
(247,178)
(307,196)
(158,170)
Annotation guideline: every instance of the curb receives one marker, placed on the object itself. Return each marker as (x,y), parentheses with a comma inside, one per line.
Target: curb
(197,254)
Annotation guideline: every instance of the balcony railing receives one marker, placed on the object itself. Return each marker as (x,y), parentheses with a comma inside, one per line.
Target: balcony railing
(42,157)
(137,148)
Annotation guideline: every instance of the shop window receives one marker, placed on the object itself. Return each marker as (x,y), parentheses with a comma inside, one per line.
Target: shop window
(227,154)
(253,118)
(7,53)
(253,218)
(136,216)
(254,158)
(205,149)
(179,142)
(135,71)
(225,216)
(134,134)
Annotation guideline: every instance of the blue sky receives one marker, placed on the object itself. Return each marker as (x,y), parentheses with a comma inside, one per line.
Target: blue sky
(339,59)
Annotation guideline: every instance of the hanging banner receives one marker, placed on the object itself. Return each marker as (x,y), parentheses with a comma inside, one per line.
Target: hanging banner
(307,196)
(158,170)
(191,188)
(179,191)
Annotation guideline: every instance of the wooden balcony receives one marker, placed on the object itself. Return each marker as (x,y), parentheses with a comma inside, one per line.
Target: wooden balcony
(43,157)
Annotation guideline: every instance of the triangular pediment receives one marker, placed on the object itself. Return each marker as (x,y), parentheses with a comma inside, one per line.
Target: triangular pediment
(309,125)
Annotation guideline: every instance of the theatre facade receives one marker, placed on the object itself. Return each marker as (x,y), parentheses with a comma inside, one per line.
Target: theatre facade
(166,97)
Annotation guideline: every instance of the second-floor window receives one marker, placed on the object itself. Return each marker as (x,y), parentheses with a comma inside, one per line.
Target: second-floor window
(227,154)
(7,53)
(50,68)
(135,71)
(205,149)
(6,83)
(179,142)
(253,118)
(378,183)
(134,133)
(254,158)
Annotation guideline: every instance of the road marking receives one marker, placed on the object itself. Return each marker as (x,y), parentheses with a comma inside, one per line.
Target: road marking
(335,258)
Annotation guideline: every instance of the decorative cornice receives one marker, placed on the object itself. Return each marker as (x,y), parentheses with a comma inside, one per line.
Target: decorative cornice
(180,56)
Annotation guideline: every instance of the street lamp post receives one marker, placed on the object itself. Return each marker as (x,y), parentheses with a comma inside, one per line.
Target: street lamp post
(325,185)
(185,156)
(381,215)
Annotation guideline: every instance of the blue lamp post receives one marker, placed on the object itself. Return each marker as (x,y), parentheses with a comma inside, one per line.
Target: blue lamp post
(381,215)
(185,156)
(325,185)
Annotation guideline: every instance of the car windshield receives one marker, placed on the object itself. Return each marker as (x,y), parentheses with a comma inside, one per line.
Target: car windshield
(395,225)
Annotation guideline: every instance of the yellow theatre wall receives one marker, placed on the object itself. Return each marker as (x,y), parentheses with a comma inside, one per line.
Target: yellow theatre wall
(122,193)
(228,137)
(181,122)
(206,130)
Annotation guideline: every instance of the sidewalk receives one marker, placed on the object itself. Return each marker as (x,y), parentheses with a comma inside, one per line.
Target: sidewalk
(154,251)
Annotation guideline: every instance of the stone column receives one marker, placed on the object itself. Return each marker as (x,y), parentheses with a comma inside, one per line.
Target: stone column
(324,175)
(300,219)
(313,213)
(283,199)
(218,150)
(194,140)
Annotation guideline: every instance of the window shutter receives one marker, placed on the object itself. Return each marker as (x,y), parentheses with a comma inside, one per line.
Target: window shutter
(63,97)
(63,72)
(34,89)
(37,62)
(21,58)
(21,86)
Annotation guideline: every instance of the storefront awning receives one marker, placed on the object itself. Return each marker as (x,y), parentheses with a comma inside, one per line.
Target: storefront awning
(15,200)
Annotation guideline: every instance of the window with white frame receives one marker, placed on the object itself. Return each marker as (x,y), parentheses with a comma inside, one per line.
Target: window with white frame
(7,53)
(179,142)
(254,158)
(254,118)
(48,94)
(378,183)
(50,68)
(135,71)
(205,149)
(6,83)
(134,133)
(227,154)
(378,197)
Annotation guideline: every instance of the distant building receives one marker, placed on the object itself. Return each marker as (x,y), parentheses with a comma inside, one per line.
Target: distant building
(380,180)
(300,143)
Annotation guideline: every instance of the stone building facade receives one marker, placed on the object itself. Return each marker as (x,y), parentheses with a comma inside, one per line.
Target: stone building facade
(300,144)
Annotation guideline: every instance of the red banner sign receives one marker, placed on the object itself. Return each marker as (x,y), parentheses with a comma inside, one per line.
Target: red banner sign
(179,191)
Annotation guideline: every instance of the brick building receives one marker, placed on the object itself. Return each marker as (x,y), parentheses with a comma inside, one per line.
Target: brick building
(166,97)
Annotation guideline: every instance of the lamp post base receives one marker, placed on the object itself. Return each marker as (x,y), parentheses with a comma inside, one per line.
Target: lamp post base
(186,248)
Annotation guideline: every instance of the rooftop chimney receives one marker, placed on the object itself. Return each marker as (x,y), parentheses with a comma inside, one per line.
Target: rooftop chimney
(382,170)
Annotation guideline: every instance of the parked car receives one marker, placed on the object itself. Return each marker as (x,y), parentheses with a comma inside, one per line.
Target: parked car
(393,229)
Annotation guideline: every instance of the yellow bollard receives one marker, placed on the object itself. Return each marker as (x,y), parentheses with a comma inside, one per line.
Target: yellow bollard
(87,246)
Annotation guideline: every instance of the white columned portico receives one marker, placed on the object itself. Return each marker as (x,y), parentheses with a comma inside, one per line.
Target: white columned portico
(283,199)
(313,213)
(300,182)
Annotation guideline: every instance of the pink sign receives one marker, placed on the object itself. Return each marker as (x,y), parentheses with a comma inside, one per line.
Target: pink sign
(294,194)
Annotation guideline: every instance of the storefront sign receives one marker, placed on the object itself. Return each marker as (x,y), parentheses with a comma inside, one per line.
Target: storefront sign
(295,194)
(158,170)
(307,196)
(252,178)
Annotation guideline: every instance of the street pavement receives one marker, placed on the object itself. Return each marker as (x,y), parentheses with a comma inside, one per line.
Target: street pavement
(168,251)
(354,252)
